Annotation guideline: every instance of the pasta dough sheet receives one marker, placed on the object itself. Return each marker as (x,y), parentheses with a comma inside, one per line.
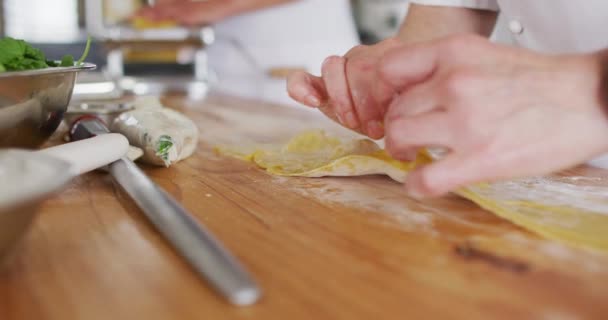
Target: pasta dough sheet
(573,210)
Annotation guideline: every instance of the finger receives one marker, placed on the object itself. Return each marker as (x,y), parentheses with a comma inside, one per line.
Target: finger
(356,50)
(185,12)
(409,65)
(201,13)
(334,77)
(329,112)
(189,13)
(443,176)
(369,114)
(149,13)
(164,2)
(310,90)
(173,10)
(417,100)
(167,11)
(382,94)
(409,154)
(407,134)
(306,89)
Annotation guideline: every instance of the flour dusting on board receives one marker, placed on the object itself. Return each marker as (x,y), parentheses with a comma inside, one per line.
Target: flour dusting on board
(574,192)
(355,195)
(579,193)
(573,210)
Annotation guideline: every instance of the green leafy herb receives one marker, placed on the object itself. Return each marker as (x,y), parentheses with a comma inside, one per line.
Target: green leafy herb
(10,49)
(85,53)
(67,61)
(32,52)
(163,145)
(16,55)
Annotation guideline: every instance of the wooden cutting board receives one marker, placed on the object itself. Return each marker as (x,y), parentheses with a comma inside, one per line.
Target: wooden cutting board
(330,248)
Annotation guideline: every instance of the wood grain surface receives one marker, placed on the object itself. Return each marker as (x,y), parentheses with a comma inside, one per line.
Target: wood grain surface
(329,248)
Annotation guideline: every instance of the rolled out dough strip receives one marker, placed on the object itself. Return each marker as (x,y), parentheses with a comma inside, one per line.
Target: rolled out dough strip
(571,210)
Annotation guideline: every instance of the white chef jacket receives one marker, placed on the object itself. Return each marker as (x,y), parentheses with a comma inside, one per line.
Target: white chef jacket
(550,26)
(294,35)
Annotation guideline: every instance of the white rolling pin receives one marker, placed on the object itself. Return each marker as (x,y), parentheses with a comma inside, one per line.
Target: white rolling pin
(90,154)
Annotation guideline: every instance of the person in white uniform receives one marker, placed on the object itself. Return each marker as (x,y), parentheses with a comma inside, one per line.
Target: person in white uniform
(256,37)
(500,111)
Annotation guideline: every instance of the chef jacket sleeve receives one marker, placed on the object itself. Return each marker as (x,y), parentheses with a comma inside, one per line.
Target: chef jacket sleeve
(473,4)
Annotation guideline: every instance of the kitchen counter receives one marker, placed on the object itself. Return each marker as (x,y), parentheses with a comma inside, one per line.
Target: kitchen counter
(330,248)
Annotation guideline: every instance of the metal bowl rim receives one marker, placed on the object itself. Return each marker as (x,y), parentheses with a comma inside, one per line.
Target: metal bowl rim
(50,70)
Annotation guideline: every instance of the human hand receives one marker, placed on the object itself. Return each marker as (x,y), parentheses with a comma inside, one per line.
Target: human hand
(188,12)
(349,90)
(202,12)
(501,112)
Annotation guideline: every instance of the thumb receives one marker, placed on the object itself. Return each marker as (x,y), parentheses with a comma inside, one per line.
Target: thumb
(446,175)
(408,65)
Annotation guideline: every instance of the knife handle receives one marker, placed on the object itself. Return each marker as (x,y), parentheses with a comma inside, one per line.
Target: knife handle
(87,126)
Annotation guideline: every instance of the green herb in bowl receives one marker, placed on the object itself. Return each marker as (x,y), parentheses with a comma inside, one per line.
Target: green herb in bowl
(18,55)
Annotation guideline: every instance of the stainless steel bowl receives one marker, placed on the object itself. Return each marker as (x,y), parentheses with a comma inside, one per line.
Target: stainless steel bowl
(28,178)
(32,103)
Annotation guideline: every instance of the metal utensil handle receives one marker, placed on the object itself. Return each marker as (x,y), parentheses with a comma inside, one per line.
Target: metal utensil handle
(190,238)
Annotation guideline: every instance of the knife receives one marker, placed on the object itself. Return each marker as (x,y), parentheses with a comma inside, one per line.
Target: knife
(196,244)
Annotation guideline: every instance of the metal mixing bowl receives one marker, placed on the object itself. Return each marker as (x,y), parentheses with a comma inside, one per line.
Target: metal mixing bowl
(32,103)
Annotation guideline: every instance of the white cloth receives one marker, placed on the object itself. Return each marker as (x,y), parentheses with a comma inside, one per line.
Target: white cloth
(295,35)
(552,26)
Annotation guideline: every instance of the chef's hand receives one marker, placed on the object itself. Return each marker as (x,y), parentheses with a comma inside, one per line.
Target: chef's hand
(501,112)
(188,12)
(349,90)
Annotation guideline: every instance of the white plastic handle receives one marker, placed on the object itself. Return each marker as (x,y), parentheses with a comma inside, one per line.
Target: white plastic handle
(93,153)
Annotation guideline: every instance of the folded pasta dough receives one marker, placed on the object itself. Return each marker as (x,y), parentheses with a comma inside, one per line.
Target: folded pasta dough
(573,210)
(315,154)
(165,136)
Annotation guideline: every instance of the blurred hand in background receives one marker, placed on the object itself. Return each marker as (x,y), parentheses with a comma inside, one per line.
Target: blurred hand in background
(188,12)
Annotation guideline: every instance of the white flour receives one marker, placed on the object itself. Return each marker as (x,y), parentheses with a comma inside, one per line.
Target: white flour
(581,193)
(415,216)
(355,195)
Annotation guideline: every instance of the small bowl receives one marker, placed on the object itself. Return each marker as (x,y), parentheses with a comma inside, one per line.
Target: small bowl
(28,178)
(33,102)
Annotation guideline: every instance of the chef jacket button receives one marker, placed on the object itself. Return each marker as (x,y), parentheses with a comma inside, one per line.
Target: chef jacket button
(516,27)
